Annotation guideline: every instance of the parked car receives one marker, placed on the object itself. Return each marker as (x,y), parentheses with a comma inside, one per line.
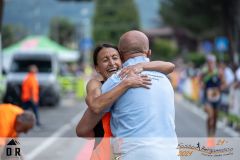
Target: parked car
(47,64)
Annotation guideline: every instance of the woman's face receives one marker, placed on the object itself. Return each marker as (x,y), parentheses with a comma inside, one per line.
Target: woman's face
(108,62)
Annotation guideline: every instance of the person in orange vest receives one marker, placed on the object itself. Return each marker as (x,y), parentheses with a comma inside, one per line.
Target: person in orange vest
(13,121)
(30,92)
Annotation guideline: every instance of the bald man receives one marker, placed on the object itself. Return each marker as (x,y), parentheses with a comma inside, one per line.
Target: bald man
(13,121)
(140,114)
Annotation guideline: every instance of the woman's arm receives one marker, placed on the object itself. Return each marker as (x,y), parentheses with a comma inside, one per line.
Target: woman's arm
(161,66)
(87,123)
(97,102)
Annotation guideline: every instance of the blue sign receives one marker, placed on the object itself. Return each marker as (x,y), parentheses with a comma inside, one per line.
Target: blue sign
(207,47)
(86,44)
(222,44)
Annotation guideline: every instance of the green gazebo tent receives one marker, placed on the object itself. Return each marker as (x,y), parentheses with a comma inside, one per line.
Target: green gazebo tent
(42,43)
(39,44)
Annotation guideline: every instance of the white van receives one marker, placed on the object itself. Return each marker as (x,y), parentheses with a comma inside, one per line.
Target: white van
(47,64)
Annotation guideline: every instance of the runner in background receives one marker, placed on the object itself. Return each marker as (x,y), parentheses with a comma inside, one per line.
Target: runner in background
(211,83)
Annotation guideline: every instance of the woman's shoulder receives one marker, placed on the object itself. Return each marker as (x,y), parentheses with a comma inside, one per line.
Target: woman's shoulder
(96,79)
(94,82)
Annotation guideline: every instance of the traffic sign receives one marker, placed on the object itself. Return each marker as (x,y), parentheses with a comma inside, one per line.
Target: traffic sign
(207,47)
(222,44)
(86,44)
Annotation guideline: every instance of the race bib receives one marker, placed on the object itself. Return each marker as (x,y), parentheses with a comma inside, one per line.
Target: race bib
(213,94)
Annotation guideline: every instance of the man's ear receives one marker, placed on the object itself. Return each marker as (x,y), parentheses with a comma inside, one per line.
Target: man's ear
(18,124)
(148,53)
(121,57)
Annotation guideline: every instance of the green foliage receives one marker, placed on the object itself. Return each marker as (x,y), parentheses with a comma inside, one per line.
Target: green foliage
(12,34)
(76,0)
(2,86)
(230,117)
(112,18)
(197,59)
(163,50)
(62,31)
(203,18)
(223,57)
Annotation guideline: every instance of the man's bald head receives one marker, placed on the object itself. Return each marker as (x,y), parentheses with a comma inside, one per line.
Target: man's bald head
(25,121)
(132,42)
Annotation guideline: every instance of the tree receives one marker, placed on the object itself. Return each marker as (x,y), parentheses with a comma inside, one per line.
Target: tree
(1,15)
(193,15)
(76,0)
(204,18)
(163,49)
(62,31)
(113,18)
(12,34)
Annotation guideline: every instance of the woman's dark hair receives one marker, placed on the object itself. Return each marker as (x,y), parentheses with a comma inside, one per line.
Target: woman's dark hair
(99,48)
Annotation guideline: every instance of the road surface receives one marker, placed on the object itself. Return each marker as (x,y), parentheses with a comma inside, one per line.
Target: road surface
(56,138)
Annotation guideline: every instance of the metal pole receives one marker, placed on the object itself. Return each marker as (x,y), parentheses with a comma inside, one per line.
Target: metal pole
(1,19)
(1,55)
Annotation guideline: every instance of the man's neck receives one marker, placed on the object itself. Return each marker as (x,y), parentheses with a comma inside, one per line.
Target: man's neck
(135,60)
(128,56)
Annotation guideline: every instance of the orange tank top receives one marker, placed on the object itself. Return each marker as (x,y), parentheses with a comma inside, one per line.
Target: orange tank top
(106,125)
(103,149)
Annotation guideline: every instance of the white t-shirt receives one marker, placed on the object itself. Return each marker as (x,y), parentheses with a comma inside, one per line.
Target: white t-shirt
(238,74)
(229,75)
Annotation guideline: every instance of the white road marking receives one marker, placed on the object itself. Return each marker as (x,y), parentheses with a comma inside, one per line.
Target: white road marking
(45,144)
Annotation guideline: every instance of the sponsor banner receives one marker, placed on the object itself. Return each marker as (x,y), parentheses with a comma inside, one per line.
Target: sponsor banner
(120,148)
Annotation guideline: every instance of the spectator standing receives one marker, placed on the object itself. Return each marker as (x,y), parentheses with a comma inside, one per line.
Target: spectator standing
(30,92)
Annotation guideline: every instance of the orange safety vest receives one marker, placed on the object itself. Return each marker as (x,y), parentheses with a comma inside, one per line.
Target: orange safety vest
(8,114)
(30,88)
